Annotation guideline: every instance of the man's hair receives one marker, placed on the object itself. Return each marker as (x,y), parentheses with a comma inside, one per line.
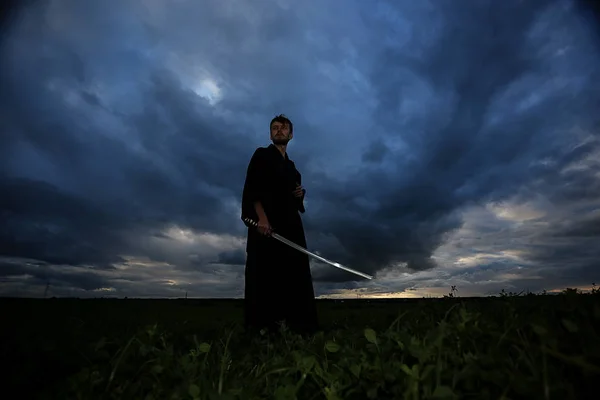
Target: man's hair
(284,120)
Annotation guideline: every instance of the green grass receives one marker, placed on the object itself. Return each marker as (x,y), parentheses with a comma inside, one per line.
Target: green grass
(508,347)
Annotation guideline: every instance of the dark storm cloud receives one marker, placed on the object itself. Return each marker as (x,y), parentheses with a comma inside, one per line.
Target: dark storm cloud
(41,222)
(376,152)
(43,274)
(456,157)
(113,130)
(590,10)
(76,190)
(235,257)
(568,249)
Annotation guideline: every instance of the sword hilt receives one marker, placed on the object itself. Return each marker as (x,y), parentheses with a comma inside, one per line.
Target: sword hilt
(251,222)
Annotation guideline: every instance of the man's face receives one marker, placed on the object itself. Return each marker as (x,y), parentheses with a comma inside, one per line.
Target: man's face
(280,133)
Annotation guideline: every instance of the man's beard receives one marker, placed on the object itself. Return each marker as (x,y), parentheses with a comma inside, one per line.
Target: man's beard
(281,140)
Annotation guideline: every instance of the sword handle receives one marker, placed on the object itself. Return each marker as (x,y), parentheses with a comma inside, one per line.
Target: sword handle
(251,222)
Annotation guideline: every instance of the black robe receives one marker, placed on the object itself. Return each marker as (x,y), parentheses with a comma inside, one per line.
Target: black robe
(278,281)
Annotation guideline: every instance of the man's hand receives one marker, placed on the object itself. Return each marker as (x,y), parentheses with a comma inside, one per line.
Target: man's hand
(264,227)
(299,192)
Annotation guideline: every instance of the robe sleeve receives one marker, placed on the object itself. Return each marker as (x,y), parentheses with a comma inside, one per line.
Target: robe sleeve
(254,185)
(300,201)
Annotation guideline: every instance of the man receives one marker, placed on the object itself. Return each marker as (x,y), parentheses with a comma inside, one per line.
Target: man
(278,281)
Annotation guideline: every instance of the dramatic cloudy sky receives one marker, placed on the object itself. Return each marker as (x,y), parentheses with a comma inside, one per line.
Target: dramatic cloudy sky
(441,143)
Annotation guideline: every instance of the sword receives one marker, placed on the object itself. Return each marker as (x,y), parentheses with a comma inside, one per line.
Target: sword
(303,250)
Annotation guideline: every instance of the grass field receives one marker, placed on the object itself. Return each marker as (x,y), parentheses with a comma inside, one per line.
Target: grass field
(509,347)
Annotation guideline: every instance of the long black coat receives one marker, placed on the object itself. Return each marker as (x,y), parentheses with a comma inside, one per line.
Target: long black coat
(278,282)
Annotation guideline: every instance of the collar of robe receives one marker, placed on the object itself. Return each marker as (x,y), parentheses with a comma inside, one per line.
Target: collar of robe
(274,148)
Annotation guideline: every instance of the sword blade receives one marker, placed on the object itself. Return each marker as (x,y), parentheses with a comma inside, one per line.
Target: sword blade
(303,250)
(323,259)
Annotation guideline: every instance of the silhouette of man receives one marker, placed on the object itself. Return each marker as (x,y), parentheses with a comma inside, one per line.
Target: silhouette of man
(278,281)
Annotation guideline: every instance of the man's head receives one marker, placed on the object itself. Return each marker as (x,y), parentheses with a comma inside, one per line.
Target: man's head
(282,129)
